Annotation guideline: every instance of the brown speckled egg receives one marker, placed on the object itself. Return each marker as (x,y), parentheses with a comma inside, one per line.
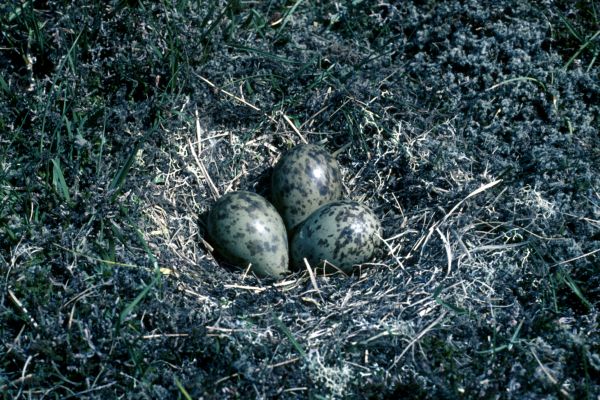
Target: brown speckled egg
(344,233)
(246,229)
(305,178)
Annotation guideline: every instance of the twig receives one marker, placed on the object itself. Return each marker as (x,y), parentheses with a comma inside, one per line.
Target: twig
(212,85)
(226,378)
(255,108)
(548,374)
(21,379)
(256,289)
(448,250)
(543,367)
(416,339)
(164,335)
(391,250)
(576,258)
(291,124)
(211,185)
(22,308)
(313,279)
(281,364)
(475,192)
(94,389)
(456,207)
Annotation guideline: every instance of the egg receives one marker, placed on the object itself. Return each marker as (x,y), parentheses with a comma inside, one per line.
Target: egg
(246,229)
(344,233)
(305,178)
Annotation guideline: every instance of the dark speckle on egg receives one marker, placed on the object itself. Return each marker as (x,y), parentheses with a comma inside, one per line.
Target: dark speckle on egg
(305,178)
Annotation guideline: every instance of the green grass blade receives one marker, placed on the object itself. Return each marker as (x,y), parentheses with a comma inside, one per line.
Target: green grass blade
(141,239)
(138,299)
(493,350)
(182,390)
(4,86)
(589,68)
(58,180)
(289,14)
(583,47)
(146,248)
(101,143)
(215,22)
(515,337)
(54,86)
(284,329)
(457,310)
(566,278)
(570,28)
(17,12)
(519,79)
(513,340)
(119,178)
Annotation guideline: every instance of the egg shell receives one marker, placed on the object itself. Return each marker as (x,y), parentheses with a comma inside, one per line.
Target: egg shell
(344,233)
(304,179)
(245,228)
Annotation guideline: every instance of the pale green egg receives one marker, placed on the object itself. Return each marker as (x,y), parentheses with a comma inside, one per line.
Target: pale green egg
(304,179)
(246,229)
(344,233)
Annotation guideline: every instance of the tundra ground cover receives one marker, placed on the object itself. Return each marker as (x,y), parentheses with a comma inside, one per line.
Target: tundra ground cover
(470,128)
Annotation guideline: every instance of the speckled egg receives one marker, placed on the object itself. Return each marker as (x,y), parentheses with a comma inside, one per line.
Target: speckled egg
(305,178)
(246,229)
(344,233)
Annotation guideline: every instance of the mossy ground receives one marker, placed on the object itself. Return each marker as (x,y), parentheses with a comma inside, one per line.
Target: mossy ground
(470,128)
